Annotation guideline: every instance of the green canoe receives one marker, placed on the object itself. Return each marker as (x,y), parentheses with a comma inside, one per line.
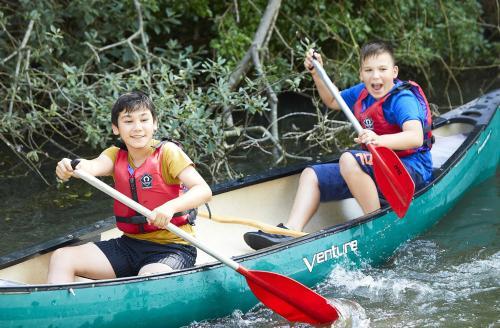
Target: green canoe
(466,152)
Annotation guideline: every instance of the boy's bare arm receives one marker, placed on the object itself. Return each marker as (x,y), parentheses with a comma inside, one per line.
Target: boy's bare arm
(198,190)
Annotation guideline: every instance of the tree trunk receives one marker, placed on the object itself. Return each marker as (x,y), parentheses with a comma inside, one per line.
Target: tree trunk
(260,41)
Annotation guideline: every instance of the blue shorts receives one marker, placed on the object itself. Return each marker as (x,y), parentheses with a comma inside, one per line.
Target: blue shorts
(128,255)
(332,185)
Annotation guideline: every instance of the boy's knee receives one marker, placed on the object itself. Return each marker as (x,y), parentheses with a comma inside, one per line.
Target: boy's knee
(309,176)
(348,164)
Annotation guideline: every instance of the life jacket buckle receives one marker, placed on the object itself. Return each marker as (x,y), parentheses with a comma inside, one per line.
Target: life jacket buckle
(191,217)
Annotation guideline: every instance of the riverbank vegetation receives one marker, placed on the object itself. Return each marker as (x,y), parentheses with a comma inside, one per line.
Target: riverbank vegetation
(216,69)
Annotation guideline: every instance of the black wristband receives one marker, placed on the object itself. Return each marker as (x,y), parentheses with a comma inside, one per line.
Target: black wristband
(314,52)
(75,162)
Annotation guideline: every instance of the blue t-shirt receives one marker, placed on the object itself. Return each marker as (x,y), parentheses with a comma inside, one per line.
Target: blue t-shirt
(398,108)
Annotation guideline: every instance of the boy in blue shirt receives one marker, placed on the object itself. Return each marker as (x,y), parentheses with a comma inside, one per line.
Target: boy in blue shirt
(393,114)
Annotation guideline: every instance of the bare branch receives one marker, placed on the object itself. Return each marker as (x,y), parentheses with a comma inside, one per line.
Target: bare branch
(265,27)
(139,33)
(266,136)
(23,158)
(236,11)
(18,65)
(273,99)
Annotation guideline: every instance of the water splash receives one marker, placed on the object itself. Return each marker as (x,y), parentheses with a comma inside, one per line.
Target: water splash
(257,317)
(351,314)
(413,291)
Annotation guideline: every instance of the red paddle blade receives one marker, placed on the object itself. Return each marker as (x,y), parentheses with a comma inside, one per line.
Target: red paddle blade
(393,179)
(289,298)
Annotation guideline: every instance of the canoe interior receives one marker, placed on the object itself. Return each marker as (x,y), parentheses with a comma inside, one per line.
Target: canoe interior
(268,202)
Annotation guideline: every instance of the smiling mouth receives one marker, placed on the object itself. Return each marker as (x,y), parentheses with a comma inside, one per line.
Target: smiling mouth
(377,86)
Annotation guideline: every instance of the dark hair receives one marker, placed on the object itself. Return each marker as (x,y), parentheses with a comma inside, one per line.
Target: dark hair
(374,48)
(130,102)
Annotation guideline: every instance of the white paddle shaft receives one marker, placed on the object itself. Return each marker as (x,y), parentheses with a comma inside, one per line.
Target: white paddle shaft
(336,94)
(147,213)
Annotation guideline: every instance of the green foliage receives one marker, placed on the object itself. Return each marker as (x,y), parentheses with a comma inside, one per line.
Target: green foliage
(79,56)
(428,34)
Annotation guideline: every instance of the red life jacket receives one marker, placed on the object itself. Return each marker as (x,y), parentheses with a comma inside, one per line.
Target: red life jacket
(146,186)
(373,118)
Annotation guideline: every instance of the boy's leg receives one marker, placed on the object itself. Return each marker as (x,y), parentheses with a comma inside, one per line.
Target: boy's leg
(319,183)
(305,204)
(85,260)
(306,201)
(361,184)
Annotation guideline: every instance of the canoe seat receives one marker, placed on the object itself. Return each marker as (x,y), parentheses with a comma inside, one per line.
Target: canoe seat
(83,279)
(444,147)
(10,283)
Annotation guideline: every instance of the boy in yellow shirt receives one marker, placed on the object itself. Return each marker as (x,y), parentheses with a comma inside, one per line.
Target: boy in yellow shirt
(153,173)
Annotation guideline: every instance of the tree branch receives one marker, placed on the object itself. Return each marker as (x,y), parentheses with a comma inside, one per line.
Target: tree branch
(273,99)
(18,65)
(265,27)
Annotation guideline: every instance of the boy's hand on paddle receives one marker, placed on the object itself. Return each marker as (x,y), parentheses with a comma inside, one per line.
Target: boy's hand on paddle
(161,216)
(64,171)
(368,137)
(310,54)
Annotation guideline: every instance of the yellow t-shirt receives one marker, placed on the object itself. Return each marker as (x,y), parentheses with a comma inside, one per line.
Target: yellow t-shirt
(174,160)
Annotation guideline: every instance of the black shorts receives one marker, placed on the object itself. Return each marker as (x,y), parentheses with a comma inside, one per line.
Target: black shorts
(128,255)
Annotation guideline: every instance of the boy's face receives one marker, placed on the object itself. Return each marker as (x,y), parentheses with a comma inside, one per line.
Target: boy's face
(136,128)
(378,73)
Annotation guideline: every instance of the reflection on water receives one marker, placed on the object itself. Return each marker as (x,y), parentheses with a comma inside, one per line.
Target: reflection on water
(33,212)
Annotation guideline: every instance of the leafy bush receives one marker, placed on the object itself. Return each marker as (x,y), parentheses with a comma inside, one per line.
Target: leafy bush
(62,64)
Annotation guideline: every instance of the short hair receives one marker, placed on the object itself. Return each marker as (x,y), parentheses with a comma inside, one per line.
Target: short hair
(131,102)
(375,48)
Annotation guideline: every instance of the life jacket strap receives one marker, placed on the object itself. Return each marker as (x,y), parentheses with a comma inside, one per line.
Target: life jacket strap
(179,218)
